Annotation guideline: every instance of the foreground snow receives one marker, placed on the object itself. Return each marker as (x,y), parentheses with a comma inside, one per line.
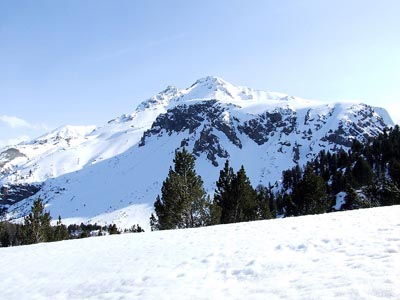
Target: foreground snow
(346,255)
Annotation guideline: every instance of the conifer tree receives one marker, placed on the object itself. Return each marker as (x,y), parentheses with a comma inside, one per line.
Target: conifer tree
(37,227)
(394,171)
(245,198)
(382,192)
(223,196)
(10,234)
(310,196)
(352,199)
(134,229)
(235,196)
(60,231)
(288,206)
(4,235)
(154,225)
(273,207)
(183,202)
(264,200)
(113,229)
(215,213)
(362,172)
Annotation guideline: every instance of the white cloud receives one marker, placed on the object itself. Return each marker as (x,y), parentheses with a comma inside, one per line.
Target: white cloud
(14,122)
(14,130)
(13,141)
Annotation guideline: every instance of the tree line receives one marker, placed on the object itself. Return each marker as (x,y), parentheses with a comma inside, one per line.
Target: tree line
(368,175)
(37,228)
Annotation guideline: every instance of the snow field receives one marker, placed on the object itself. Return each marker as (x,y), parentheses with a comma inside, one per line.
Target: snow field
(344,255)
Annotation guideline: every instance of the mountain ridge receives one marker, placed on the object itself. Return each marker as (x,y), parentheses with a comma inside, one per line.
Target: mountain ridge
(129,156)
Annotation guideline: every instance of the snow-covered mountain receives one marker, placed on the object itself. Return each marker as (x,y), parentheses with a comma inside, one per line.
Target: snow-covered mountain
(344,255)
(114,172)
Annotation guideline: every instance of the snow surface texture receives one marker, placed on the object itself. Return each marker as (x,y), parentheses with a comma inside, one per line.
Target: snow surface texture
(113,173)
(343,255)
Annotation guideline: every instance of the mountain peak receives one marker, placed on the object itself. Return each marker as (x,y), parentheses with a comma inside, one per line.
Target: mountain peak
(212,83)
(67,132)
(209,87)
(169,90)
(211,80)
(160,99)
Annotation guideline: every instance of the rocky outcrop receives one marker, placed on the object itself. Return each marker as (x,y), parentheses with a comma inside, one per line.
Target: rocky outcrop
(209,144)
(260,128)
(8,155)
(190,117)
(13,193)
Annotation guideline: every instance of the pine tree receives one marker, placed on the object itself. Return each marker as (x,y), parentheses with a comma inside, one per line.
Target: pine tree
(154,225)
(362,172)
(4,235)
(338,182)
(215,213)
(245,198)
(112,229)
(10,234)
(264,201)
(235,196)
(352,199)
(60,231)
(289,208)
(134,229)
(37,227)
(183,202)
(223,196)
(394,171)
(383,192)
(310,196)
(273,206)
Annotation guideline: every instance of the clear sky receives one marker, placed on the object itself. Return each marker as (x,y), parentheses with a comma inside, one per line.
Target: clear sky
(84,62)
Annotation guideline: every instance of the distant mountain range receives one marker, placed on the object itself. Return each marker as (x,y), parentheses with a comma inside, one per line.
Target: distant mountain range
(112,173)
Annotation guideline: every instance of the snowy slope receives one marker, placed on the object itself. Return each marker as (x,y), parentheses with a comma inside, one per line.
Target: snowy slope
(344,255)
(114,172)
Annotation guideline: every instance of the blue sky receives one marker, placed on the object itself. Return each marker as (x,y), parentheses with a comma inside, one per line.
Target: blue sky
(84,62)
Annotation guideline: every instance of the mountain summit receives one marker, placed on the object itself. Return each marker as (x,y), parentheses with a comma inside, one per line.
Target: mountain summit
(113,173)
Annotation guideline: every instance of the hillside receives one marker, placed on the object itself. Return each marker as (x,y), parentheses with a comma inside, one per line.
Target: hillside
(113,173)
(344,255)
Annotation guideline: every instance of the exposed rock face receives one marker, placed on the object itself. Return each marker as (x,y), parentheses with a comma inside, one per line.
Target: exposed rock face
(209,144)
(181,118)
(364,125)
(260,128)
(12,194)
(8,155)
(191,118)
(339,137)
(205,122)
